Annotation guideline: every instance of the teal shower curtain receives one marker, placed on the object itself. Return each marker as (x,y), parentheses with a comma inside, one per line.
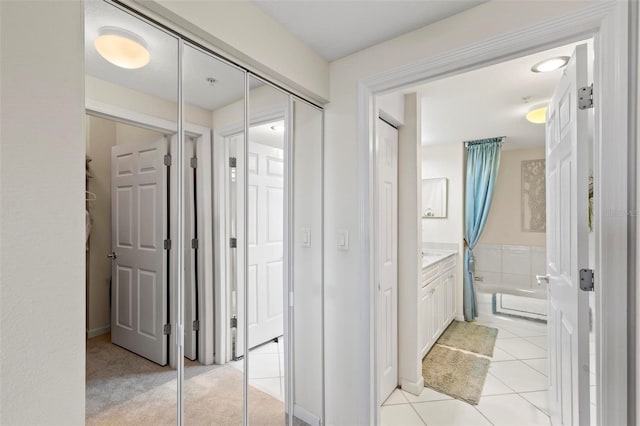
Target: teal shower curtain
(483,161)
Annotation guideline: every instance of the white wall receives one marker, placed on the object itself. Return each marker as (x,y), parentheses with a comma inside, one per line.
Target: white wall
(504,222)
(348,342)
(42,156)
(243,30)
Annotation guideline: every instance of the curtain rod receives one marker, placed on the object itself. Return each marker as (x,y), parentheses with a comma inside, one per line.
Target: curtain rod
(466,143)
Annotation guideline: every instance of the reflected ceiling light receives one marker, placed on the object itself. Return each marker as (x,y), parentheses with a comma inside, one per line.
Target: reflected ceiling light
(278,127)
(537,115)
(551,64)
(122,48)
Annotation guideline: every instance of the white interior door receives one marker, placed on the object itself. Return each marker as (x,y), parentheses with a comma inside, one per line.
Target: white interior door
(387,259)
(139,227)
(567,145)
(191,253)
(265,234)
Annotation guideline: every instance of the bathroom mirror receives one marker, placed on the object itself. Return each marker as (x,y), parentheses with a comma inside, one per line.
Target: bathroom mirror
(434,198)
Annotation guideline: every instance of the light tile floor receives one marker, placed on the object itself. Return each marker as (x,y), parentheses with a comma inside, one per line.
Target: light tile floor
(266,368)
(515,390)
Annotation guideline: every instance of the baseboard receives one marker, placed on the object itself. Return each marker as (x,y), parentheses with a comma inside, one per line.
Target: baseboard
(305,416)
(98,331)
(459,318)
(415,388)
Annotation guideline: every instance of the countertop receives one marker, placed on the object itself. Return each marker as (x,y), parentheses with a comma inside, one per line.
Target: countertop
(430,257)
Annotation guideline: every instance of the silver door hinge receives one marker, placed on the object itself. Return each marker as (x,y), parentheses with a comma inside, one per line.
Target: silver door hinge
(232,162)
(166,329)
(586,279)
(585,97)
(196,325)
(193,162)
(194,243)
(167,244)
(233,243)
(234,322)
(167,160)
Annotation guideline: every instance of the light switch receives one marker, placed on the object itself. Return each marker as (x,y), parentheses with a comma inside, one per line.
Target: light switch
(306,237)
(343,239)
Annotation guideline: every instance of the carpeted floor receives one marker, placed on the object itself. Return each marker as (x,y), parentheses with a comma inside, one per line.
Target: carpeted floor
(125,389)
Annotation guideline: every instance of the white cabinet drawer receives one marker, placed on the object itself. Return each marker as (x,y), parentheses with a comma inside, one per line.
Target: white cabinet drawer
(429,274)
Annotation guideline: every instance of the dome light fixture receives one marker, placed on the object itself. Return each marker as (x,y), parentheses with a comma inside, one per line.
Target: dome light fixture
(551,64)
(537,115)
(278,127)
(122,48)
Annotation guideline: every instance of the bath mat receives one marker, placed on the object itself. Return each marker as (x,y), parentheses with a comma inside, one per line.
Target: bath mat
(470,337)
(458,374)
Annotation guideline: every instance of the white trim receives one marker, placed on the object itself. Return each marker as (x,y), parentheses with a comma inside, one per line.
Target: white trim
(415,388)
(608,21)
(307,417)
(98,331)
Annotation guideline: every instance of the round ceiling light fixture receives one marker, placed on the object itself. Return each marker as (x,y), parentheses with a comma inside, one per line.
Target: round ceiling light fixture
(551,64)
(537,114)
(278,127)
(122,48)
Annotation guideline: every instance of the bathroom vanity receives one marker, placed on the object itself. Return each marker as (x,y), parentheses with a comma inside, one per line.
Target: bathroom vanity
(437,296)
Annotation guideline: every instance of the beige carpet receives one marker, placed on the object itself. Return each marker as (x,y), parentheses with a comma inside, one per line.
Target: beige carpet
(470,337)
(125,389)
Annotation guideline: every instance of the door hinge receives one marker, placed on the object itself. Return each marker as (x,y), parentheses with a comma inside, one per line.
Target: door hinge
(234,322)
(196,325)
(193,162)
(233,242)
(167,160)
(586,279)
(166,329)
(194,243)
(585,97)
(232,162)
(167,244)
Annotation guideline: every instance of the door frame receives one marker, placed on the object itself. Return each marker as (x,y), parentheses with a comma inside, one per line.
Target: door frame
(205,229)
(614,171)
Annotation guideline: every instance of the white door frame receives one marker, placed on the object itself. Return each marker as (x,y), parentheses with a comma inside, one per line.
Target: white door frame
(608,22)
(205,229)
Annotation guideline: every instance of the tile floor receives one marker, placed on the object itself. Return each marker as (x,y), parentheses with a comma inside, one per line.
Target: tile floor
(515,390)
(266,368)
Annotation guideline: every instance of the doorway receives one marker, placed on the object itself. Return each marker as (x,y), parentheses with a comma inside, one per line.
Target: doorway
(374,85)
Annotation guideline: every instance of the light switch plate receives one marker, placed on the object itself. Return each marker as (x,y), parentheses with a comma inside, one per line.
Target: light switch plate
(343,239)
(306,237)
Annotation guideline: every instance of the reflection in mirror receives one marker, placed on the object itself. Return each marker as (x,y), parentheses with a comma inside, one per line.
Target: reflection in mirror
(307,263)
(131,126)
(265,172)
(213,96)
(434,198)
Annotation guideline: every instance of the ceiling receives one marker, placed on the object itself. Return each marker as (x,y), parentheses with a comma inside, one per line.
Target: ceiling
(490,102)
(338,28)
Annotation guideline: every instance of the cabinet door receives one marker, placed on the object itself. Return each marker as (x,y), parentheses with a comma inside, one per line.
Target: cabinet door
(449,279)
(425,323)
(435,308)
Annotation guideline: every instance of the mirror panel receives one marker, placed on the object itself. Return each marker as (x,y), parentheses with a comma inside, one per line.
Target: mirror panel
(307,263)
(213,111)
(266,172)
(434,197)
(132,125)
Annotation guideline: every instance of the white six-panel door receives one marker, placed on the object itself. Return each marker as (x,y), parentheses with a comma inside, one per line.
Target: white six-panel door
(265,234)
(567,145)
(387,259)
(139,227)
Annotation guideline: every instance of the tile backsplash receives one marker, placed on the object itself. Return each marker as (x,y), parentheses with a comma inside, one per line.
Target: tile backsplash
(510,268)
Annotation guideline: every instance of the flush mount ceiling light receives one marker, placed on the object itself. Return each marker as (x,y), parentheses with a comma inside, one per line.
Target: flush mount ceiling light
(122,48)
(537,115)
(278,127)
(551,64)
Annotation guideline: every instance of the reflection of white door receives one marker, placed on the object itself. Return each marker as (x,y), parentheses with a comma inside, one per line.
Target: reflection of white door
(567,145)
(387,231)
(139,226)
(191,253)
(265,227)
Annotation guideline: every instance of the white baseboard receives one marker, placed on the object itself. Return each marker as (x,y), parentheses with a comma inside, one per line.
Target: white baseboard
(98,331)
(306,416)
(459,318)
(415,388)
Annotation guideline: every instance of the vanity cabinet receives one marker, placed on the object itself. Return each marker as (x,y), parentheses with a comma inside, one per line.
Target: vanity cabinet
(437,301)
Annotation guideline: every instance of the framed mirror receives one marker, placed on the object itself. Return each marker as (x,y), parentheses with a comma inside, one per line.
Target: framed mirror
(434,198)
